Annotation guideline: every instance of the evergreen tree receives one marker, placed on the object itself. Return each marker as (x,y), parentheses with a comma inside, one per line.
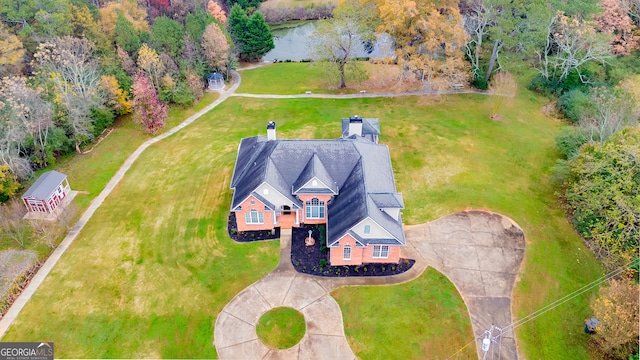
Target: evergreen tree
(258,39)
(196,23)
(166,36)
(126,36)
(237,25)
(251,36)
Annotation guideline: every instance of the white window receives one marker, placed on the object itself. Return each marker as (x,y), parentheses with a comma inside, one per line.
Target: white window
(346,252)
(314,183)
(265,191)
(381,251)
(367,229)
(315,209)
(254,217)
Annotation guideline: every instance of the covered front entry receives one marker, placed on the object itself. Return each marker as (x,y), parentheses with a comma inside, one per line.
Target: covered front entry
(287,220)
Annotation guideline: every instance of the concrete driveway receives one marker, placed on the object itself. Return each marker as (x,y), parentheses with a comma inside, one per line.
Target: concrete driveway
(480,252)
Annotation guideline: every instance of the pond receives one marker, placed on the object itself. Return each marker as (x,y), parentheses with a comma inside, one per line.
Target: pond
(291,44)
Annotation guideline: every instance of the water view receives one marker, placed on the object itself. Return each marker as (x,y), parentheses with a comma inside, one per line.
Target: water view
(291,44)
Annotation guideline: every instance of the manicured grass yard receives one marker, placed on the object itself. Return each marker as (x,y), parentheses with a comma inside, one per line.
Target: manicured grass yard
(150,272)
(281,328)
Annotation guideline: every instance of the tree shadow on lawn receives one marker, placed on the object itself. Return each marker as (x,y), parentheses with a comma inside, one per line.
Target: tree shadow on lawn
(314,260)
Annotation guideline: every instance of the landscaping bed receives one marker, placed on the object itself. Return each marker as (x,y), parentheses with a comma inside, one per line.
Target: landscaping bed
(314,260)
(249,236)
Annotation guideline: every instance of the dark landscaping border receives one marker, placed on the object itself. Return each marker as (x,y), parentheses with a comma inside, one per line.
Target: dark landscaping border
(314,260)
(249,236)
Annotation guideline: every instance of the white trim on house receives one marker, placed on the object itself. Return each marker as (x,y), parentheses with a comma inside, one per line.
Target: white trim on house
(249,220)
(346,252)
(381,252)
(333,244)
(317,186)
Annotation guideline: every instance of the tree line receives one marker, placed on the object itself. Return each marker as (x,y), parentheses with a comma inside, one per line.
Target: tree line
(69,67)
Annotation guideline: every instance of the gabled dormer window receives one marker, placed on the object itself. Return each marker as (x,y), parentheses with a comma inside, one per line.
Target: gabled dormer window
(315,209)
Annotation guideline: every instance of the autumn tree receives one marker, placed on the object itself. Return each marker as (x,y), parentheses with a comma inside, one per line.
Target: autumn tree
(115,97)
(127,8)
(149,62)
(9,184)
(338,40)
(427,35)
(11,52)
(503,86)
(616,308)
(216,11)
(149,111)
(216,47)
(616,21)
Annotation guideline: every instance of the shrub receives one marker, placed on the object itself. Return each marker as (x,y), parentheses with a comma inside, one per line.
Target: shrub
(102,119)
(575,105)
(603,194)
(323,263)
(570,139)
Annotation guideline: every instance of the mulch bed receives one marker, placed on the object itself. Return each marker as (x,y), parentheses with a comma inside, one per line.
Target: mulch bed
(249,236)
(314,260)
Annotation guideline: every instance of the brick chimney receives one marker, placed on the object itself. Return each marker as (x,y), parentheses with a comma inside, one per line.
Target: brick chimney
(271,130)
(355,125)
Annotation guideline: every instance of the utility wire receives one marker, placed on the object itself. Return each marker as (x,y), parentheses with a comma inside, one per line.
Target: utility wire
(557,303)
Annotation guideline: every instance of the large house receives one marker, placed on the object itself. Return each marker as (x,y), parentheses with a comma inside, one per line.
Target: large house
(345,183)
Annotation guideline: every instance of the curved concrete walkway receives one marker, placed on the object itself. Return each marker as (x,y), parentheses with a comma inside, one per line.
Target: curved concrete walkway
(480,252)
(235,330)
(44,270)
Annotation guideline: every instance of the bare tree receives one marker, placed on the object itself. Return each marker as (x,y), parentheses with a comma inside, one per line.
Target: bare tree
(481,15)
(503,86)
(571,43)
(69,63)
(339,40)
(32,113)
(12,226)
(615,109)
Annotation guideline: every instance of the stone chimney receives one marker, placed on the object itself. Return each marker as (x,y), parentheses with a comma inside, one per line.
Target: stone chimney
(355,125)
(271,130)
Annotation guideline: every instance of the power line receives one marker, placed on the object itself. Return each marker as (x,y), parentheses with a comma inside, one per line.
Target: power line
(557,303)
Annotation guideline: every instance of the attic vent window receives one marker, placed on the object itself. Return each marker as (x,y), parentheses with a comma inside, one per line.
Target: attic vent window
(253,202)
(314,183)
(367,229)
(265,191)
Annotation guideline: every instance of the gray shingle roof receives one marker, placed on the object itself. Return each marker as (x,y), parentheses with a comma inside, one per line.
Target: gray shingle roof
(45,185)
(388,200)
(358,170)
(315,168)
(370,126)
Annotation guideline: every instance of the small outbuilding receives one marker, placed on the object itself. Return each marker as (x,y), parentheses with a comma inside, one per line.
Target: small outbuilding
(215,81)
(47,193)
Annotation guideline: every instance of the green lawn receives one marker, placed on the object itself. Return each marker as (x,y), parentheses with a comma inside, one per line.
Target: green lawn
(281,328)
(422,319)
(150,272)
(89,173)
